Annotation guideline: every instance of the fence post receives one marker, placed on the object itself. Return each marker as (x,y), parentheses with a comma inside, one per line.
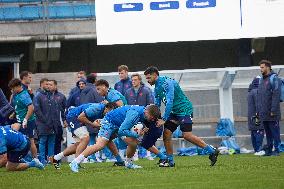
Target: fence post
(225,95)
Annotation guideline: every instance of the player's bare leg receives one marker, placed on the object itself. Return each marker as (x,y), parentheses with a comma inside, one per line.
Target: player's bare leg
(70,150)
(167,138)
(16,166)
(33,148)
(194,139)
(10,166)
(82,145)
(112,147)
(100,144)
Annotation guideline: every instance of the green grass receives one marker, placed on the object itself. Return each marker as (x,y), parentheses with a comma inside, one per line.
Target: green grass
(237,171)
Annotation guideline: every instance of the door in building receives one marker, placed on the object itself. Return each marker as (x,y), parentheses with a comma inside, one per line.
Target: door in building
(6,74)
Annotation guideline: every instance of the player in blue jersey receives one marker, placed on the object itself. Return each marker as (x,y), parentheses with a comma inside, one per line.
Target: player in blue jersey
(110,94)
(119,122)
(16,146)
(78,127)
(178,111)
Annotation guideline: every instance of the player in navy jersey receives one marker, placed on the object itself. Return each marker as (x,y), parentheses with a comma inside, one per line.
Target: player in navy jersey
(78,127)
(16,146)
(119,122)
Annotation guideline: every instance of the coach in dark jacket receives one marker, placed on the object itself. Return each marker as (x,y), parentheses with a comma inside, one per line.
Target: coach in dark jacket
(44,108)
(125,82)
(254,124)
(3,99)
(138,94)
(44,122)
(89,94)
(5,108)
(58,115)
(269,106)
(79,75)
(74,99)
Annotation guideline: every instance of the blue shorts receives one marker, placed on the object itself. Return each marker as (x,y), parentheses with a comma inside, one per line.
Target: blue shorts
(151,137)
(16,156)
(73,124)
(30,130)
(185,123)
(108,130)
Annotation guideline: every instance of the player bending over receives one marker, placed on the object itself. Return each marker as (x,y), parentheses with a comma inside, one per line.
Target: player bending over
(120,121)
(148,136)
(15,146)
(77,118)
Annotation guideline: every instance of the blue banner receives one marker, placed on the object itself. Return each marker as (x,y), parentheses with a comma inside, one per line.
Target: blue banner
(200,3)
(128,7)
(164,5)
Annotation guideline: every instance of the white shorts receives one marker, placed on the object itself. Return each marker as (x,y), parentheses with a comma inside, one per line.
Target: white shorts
(80,133)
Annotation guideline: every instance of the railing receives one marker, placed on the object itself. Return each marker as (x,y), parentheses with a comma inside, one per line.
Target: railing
(216,93)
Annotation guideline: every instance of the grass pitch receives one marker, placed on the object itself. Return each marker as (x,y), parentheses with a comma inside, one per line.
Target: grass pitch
(236,171)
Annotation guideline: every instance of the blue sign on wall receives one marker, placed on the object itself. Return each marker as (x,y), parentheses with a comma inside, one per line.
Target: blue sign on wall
(164,5)
(128,7)
(200,3)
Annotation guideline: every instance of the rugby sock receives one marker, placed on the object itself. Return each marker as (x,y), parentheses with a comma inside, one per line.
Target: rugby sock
(118,158)
(209,149)
(79,159)
(97,154)
(122,153)
(171,157)
(161,155)
(59,156)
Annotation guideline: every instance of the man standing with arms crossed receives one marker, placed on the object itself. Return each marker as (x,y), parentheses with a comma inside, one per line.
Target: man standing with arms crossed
(178,111)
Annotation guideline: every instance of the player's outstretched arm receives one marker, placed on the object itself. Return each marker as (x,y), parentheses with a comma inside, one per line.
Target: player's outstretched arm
(83,119)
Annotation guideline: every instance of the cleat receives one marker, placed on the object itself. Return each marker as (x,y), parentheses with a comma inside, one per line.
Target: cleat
(160,161)
(213,157)
(132,166)
(260,153)
(54,162)
(74,167)
(118,164)
(38,164)
(166,163)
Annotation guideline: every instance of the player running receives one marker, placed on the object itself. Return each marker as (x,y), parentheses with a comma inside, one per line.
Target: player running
(178,111)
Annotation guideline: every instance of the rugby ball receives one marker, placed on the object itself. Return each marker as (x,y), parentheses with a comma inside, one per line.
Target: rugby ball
(137,128)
